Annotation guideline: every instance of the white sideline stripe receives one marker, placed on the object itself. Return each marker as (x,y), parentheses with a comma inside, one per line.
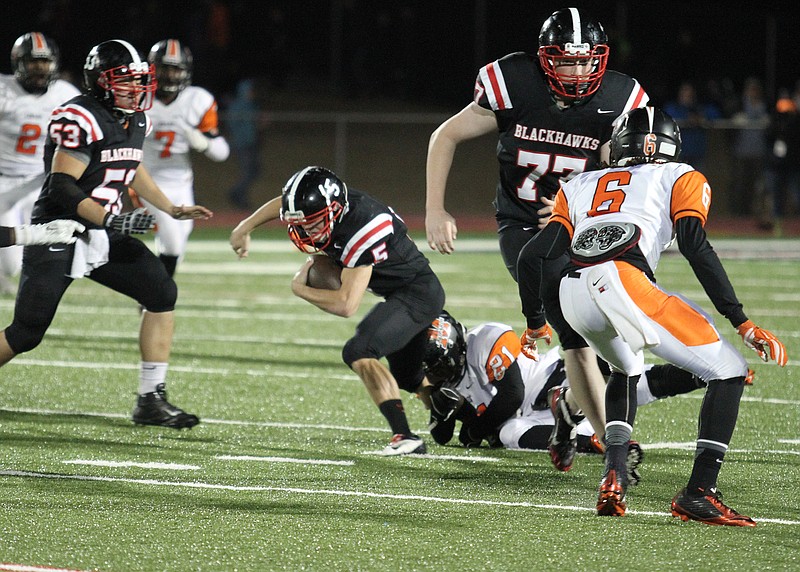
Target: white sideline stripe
(175,368)
(284,460)
(690,445)
(9,567)
(434,457)
(168,466)
(341,493)
(273,424)
(299,375)
(311,426)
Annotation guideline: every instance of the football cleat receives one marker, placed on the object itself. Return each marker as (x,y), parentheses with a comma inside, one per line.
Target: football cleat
(611,497)
(596,445)
(154,409)
(632,462)
(563,442)
(707,508)
(404,445)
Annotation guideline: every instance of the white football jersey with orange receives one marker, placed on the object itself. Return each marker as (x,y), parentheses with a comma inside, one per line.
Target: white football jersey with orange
(651,196)
(491,349)
(23,124)
(166,149)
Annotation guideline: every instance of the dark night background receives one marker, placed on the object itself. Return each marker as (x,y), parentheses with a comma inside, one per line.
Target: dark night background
(419,53)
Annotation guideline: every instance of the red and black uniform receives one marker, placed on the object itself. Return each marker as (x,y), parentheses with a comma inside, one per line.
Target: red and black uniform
(111,147)
(540,146)
(370,233)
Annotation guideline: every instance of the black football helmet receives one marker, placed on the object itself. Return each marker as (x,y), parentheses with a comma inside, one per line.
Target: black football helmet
(115,74)
(173,62)
(445,358)
(571,38)
(313,201)
(644,135)
(35,61)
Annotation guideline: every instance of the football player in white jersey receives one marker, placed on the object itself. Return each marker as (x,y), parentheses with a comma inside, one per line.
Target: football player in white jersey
(614,224)
(500,395)
(184,117)
(26,99)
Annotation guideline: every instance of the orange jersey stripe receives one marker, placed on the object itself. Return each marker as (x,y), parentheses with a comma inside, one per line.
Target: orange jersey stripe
(670,312)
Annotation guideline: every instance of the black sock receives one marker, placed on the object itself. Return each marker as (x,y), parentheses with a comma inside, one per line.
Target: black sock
(720,409)
(170,262)
(705,471)
(668,380)
(621,398)
(395,414)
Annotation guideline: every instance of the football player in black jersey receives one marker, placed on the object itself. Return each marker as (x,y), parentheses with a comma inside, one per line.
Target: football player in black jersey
(92,155)
(553,114)
(371,244)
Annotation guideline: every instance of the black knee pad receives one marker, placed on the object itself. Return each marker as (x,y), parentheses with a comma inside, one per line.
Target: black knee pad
(161,297)
(354,350)
(23,338)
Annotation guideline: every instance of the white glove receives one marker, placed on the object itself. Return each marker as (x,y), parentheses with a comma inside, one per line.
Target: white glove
(197,140)
(53,232)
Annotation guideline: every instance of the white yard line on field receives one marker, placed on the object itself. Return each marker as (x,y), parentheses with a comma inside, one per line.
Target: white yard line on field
(284,460)
(126,464)
(341,493)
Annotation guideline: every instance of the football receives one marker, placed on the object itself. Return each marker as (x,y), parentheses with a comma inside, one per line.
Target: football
(324,273)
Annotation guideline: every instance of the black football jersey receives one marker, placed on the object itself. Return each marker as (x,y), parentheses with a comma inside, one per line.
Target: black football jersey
(541,144)
(370,233)
(112,150)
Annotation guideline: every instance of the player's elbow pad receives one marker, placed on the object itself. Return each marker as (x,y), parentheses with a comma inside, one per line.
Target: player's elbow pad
(218,149)
(64,189)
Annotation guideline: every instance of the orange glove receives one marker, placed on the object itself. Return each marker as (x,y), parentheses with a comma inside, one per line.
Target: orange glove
(529,337)
(751,375)
(763,342)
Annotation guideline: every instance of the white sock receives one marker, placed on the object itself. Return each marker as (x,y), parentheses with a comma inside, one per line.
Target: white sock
(151,375)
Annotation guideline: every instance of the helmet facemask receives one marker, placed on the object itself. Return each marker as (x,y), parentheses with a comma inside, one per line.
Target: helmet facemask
(313,233)
(130,88)
(575,71)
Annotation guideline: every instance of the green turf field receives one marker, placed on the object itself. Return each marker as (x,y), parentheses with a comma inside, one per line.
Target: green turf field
(280,475)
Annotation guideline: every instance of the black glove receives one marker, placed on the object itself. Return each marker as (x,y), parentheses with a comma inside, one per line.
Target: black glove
(468,438)
(442,431)
(444,403)
(138,221)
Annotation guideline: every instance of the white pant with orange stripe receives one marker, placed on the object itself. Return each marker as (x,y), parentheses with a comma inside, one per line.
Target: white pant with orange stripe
(620,312)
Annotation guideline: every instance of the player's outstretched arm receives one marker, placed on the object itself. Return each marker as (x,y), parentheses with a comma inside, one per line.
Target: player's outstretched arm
(469,123)
(240,236)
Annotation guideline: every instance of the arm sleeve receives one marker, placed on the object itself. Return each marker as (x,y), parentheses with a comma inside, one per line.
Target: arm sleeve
(510,392)
(551,242)
(64,189)
(218,149)
(693,244)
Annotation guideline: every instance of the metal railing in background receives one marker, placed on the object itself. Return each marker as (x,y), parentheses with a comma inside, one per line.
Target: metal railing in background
(385,154)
